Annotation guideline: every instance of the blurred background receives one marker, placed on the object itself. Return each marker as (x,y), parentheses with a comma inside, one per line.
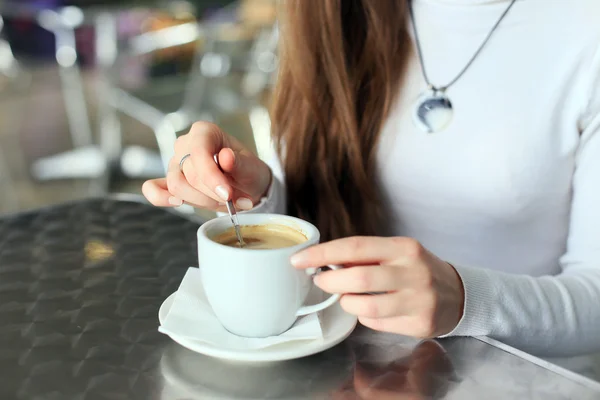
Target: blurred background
(93,93)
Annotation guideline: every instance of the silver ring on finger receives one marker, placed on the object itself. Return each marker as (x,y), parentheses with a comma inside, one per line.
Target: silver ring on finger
(182,161)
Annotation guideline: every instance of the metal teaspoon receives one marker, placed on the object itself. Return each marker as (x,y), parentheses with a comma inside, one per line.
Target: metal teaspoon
(232,213)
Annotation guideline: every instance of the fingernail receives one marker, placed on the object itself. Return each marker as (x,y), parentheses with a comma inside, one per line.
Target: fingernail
(297,259)
(174,201)
(222,193)
(244,204)
(316,280)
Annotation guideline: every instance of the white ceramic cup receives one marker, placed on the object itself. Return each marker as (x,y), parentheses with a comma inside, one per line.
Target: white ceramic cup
(257,293)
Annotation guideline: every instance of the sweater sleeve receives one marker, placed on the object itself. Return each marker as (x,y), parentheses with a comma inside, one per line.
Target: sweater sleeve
(550,315)
(275,201)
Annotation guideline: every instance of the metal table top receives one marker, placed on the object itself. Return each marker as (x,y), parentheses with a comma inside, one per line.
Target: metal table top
(80,289)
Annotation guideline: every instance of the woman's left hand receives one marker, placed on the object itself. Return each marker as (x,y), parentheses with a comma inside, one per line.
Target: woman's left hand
(418,294)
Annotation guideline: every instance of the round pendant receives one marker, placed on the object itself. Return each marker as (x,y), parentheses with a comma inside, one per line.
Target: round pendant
(433,111)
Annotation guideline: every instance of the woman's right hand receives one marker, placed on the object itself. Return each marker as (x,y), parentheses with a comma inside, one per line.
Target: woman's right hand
(245,178)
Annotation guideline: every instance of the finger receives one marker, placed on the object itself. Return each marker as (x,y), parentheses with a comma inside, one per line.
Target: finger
(364,279)
(242,200)
(179,187)
(201,171)
(358,249)
(247,171)
(188,170)
(155,190)
(228,161)
(373,306)
(202,143)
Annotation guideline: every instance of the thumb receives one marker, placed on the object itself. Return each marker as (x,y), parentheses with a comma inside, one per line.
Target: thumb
(229,161)
(247,171)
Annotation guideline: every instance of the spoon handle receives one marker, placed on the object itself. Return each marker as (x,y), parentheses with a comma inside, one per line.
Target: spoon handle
(235,222)
(232,213)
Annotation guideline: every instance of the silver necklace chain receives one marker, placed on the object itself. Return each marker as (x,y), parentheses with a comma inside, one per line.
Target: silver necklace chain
(420,52)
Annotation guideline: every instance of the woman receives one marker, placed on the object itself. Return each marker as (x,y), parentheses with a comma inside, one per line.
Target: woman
(490,225)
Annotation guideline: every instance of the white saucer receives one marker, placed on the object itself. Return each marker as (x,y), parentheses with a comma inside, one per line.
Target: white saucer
(336,324)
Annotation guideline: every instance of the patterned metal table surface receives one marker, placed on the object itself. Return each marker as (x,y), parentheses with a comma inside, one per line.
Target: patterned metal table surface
(80,288)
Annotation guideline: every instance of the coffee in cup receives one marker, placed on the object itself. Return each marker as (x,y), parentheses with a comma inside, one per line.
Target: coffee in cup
(256,292)
(262,237)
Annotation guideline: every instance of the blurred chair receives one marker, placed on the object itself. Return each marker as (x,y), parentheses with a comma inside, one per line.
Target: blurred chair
(84,161)
(12,74)
(15,76)
(227,77)
(87,159)
(9,66)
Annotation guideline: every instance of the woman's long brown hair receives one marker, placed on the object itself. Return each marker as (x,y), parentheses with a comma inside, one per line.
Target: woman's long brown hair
(340,70)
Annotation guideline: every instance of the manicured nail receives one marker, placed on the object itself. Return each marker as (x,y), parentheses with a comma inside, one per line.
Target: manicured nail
(317,279)
(244,204)
(222,193)
(174,201)
(298,259)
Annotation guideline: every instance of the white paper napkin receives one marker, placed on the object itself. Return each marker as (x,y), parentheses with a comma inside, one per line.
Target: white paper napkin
(192,317)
